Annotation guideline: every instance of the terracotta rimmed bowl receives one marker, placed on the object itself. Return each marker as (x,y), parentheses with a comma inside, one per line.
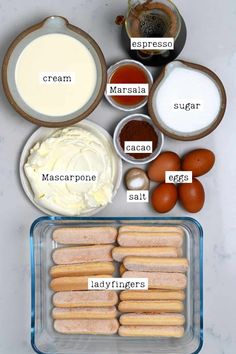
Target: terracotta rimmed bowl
(52,25)
(197,134)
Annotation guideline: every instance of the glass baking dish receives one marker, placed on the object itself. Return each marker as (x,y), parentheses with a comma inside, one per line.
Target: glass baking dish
(45,340)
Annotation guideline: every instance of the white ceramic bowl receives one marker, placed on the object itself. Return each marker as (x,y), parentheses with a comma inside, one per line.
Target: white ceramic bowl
(112,69)
(43,133)
(120,151)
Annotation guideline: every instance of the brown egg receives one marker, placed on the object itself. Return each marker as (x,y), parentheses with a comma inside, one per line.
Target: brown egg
(166,161)
(191,196)
(198,161)
(164,197)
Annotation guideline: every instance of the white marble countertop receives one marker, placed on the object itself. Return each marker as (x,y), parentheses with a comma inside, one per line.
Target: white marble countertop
(211,41)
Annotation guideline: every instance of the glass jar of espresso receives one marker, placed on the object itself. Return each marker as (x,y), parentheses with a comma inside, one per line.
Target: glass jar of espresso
(153,19)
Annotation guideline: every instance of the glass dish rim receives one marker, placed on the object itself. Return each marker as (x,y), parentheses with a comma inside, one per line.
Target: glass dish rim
(115,218)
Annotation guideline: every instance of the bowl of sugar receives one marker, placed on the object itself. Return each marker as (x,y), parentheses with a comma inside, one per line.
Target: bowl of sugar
(54,74)
(187,101)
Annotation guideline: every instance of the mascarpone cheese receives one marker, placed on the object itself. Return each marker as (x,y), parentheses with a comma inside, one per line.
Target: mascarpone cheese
(71,150)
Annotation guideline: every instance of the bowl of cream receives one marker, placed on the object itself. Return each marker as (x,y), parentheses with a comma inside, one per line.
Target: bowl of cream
(187,101)
(71,171)
(54,74)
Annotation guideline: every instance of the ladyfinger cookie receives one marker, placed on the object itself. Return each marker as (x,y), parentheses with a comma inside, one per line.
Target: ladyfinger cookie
(83,254)
(166,265)
(158,280)
(152,295)
(87,326)
(158,319)
(122,269)
(151,331)
(73,283)
(119,253)
(92,298)
(74,270)
(85,235)
(59,313)
(150,239)
(151,306)
(161,229)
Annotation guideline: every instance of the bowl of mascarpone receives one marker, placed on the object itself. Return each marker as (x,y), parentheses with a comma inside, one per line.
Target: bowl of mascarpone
(72,171)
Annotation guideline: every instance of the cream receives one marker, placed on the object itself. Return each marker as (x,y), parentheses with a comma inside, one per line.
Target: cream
(55,75)
(66,151)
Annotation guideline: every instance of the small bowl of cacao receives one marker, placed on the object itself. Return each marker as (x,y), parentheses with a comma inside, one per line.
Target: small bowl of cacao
(137,140)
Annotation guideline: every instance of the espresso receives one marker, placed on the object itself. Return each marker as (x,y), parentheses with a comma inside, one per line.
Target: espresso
(153,19)
(154,24)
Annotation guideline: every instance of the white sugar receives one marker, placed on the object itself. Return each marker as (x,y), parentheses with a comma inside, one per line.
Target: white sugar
(187,100)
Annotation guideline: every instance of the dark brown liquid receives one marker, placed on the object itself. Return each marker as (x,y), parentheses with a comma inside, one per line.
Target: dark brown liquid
(153,19)
(154,24)
(133,29)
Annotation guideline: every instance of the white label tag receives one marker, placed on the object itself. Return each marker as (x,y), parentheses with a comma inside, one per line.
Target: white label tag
(69,177)
(56,78)
(118,284)
(137,147)
(178,176)
(187,105)
(141,196)
(137,43)
(127,89)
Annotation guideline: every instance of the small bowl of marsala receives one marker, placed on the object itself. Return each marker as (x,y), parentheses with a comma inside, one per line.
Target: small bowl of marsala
(135,95)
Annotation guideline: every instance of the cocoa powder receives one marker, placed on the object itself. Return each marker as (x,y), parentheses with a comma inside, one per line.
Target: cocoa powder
(138,130)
